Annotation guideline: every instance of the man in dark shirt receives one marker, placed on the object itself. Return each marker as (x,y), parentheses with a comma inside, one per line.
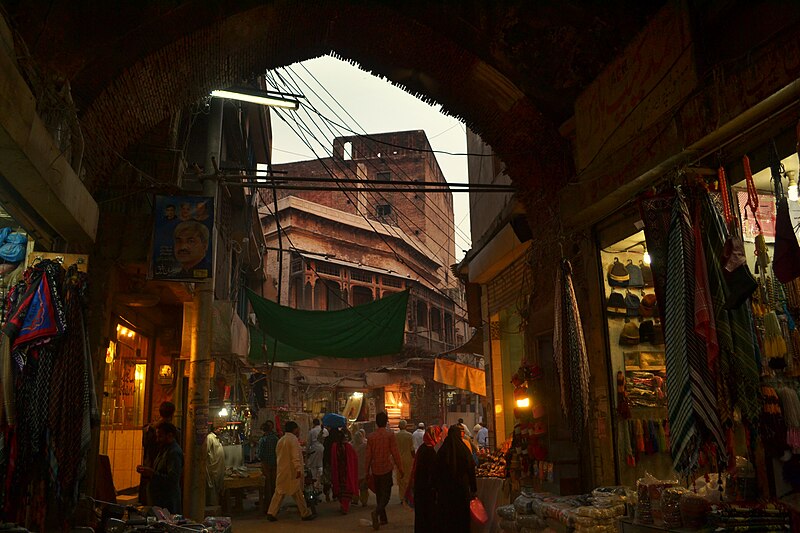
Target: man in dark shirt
(269,460)
(150,446)
(164,488)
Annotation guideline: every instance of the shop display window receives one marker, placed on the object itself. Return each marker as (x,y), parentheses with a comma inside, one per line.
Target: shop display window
(637,357)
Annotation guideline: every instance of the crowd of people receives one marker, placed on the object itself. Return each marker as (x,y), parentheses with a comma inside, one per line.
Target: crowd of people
(434,468)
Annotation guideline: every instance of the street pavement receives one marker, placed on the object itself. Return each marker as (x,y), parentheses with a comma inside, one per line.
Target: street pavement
(329,519)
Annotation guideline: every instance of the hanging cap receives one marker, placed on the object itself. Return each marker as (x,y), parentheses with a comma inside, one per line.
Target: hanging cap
(616,304)
(617,274)
(648,306)
(647,274)
(635,274)
(647,331)
(631,304)
(629,335)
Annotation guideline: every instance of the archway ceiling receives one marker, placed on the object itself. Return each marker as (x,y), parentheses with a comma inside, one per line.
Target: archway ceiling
(511,70)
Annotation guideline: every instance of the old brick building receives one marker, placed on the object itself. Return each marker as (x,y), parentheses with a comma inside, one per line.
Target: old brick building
(346,248)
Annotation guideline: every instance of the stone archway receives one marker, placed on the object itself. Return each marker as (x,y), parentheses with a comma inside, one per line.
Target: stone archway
(381,40)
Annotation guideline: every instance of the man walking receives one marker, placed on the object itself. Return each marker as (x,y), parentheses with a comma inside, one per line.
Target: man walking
(405,446)
(381,452)
(483,436)
(269,460)
(418,436)
(289,478)
(164,488)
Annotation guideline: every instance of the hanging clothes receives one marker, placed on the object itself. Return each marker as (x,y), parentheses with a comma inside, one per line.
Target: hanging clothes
(569,353)
(738,367)
(690,388)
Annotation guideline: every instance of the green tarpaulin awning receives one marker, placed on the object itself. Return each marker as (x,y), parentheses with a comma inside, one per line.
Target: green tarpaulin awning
(368,330)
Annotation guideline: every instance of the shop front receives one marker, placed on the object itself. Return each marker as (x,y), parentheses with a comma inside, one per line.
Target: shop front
(124,406)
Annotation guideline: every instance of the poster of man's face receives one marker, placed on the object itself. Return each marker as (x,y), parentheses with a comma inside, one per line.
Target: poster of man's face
(182,232)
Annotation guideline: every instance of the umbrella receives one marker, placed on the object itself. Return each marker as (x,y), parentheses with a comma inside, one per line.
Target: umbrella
(333,420)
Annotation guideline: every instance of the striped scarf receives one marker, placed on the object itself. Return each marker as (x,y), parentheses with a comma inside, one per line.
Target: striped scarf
(691,390)
(569,353)
(738,363)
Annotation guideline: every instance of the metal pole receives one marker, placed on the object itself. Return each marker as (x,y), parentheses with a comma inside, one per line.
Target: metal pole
(194,486)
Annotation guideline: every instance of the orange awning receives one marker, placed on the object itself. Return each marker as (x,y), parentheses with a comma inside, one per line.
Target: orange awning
(460,375)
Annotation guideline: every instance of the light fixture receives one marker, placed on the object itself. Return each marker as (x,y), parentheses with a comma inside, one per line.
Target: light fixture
(223,412)
(523,402)
(399,404)
(792,190)
(646,257)
(358,395)
(255,96)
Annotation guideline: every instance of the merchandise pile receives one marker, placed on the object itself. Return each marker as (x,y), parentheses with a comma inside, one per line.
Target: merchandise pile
(491,464)
(596,513)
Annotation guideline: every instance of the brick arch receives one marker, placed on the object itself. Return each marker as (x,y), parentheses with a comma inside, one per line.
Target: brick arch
(380,40)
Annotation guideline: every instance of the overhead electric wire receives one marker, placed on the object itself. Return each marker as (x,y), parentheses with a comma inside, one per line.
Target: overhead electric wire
(324,147)
(389,228)
(383,238)
(443,217)
(388,161)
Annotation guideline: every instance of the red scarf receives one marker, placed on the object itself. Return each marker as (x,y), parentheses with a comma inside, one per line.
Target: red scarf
(351,469)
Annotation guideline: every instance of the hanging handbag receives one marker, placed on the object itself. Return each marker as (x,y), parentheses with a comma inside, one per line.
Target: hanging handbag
(786,260)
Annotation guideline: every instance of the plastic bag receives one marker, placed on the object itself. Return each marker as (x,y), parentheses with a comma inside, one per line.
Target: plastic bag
(478,512)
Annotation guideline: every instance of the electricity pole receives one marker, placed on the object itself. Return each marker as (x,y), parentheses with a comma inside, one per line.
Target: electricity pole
(197,417)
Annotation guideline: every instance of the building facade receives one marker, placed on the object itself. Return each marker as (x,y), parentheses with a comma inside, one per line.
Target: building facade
(345,248)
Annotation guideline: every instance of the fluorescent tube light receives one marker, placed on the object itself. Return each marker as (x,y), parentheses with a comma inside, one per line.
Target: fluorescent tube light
(257,98)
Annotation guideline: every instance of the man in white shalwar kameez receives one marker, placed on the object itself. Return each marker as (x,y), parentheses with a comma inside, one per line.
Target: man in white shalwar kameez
(290,473)
(215,469)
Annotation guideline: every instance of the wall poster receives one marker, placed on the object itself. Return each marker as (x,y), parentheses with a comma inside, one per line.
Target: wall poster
(182,244)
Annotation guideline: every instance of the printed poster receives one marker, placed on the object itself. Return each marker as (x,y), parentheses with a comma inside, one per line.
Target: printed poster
(182,233)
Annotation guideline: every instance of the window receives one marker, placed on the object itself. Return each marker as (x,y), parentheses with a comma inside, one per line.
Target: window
(392,282)
(360,275)
(384,176)
(362,295)
(325,268)
(383,210)
(348,151)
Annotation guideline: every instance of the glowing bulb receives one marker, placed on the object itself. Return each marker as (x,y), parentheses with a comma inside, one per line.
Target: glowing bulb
(792,191)
(123,331)
(498,408)
(399,404)
(358,395)
(523,402)
(223,412)
(130,333)
(646,259)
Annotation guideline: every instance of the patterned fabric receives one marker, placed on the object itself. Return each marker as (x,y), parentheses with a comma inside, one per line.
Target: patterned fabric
(381,451)
(569,352)
(738,366)
(691,391)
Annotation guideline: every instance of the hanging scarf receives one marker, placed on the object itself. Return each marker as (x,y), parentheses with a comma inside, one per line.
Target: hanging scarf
(691,392)
(738,367)
(569,352)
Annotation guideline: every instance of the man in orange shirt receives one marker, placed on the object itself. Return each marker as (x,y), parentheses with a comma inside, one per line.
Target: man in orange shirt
(382,457)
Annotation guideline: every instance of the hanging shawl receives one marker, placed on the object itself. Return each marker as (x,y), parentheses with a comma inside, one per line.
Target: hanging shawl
(738,366)
(569,353)
(691,391)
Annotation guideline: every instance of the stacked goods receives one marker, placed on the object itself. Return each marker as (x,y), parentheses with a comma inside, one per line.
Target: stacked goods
(491,464)
(671,506)
(596,513)
(694,510)
(649,491)
(756,517)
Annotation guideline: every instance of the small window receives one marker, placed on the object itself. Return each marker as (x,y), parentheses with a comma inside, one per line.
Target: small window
(383,210)
(384,176)
(348,151)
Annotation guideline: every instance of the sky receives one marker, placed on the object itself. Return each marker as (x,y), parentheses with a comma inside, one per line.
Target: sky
(374,106)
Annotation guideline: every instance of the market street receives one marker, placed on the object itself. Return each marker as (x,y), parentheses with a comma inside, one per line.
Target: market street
(329,519)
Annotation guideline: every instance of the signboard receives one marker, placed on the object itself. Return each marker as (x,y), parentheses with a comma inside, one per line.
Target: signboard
(182,244)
